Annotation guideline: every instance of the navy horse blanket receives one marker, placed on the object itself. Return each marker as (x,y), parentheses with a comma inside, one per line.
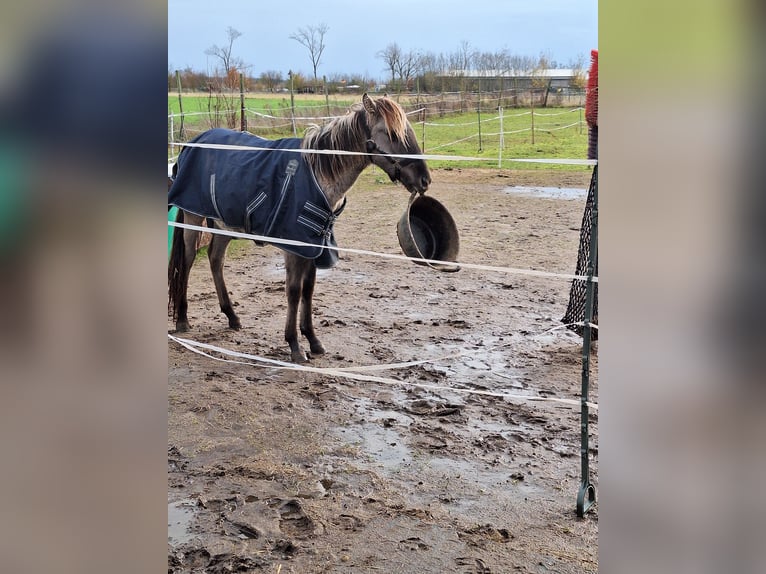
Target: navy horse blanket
(272,193)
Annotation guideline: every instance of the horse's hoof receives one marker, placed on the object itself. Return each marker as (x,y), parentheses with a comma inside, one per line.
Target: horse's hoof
(235,325)
(317,349)
(182,327)
(299,358)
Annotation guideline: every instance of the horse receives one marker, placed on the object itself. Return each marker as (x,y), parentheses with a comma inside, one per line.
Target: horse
(376,129)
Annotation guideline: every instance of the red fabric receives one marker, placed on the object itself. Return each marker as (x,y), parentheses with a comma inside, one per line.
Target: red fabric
(591,92)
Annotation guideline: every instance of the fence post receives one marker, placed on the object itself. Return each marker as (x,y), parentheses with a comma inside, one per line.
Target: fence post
(172,136)
(586,496)
(242,116)
(478,111)
(326,96)
(181,131)
(502,140)
(417,89)
(532,103)
(292,102)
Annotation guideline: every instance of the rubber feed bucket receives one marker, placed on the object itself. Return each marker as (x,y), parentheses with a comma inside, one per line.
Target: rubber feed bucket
(426,230)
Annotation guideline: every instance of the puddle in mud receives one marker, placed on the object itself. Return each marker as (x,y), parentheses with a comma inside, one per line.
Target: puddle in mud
(468,488)
(384,446)
(486,368)
(383,441)
(482,477)
(180,516)
(547,192)
(378,438)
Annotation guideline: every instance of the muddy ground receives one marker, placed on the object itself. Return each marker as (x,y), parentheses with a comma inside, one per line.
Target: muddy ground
(294,472)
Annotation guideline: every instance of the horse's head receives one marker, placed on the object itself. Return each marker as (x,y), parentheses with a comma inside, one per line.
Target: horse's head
(391,133)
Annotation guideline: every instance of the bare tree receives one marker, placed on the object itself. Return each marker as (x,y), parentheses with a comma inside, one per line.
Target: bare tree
(539,73)
(522,65)
(465,56)
(224,53)
(491,62)
(429,63)
(540,78)
(222,105)
(408,67)
(312,38)
(429,70)
(271,79)
(578,72)
(391,56)
(403,66)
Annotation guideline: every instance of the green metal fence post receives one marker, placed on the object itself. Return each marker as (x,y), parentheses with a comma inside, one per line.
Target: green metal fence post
(586,496)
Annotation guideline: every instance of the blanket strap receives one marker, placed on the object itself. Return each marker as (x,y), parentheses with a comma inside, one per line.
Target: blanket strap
(318,219)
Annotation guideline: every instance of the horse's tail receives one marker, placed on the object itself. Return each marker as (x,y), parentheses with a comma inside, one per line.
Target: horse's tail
(176,268)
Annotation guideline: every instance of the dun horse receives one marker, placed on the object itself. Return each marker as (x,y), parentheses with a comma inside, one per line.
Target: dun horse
(231,186)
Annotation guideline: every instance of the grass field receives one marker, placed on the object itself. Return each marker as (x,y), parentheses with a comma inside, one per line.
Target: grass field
(260,103)
(559,133)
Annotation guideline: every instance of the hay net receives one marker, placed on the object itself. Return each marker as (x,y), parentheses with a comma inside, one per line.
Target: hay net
(575,312)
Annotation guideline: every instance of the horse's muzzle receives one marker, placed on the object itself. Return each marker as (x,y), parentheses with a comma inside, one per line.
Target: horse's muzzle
(425,182)
(420,185)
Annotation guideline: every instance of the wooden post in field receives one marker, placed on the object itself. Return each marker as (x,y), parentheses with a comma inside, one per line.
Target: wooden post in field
(181,131)
(171,136)
(292,102)
(478,111)
(326,97)
(417,89)
(532,100)
(242,116)
(502,140)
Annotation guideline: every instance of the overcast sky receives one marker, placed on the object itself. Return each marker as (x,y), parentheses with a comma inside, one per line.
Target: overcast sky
(358,29)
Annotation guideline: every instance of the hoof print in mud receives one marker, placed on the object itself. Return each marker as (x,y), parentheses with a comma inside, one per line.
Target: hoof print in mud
(285,548)
(414,543)
(293,521)
(473,566)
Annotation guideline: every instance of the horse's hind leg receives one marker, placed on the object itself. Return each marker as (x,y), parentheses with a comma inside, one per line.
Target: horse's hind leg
(307,321)
(180,279)
(216,253)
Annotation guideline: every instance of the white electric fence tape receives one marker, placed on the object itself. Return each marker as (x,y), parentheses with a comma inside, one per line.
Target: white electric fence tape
(256,361)
(275,240)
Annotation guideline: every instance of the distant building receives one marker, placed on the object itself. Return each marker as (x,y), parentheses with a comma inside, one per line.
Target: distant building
(555,79)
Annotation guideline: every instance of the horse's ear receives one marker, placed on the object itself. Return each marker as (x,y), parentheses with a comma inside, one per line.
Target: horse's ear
(369,105)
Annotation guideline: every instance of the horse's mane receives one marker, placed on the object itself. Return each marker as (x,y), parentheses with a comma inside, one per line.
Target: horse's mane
(395,118)
(349,132)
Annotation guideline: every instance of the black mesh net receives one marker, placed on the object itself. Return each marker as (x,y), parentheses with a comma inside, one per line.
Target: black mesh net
(576,309)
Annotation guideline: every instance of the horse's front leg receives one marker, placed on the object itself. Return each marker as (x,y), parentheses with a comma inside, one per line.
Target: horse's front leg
(295,268)
(216,252)
(307,321)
